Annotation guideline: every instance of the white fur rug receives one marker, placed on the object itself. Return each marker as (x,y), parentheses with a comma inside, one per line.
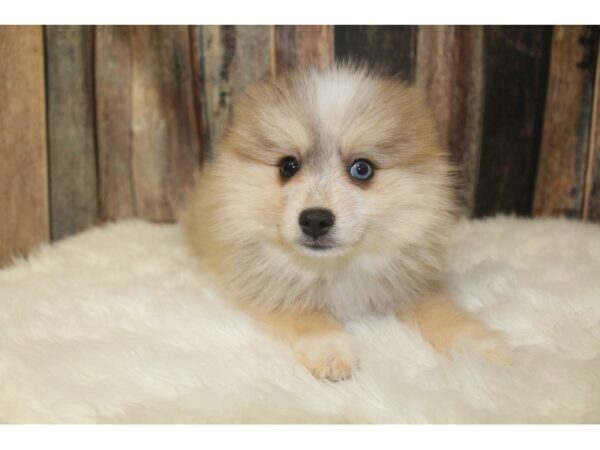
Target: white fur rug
(114,326)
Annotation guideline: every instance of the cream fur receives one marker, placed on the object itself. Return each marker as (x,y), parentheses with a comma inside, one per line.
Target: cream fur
(331,356)
(115,325)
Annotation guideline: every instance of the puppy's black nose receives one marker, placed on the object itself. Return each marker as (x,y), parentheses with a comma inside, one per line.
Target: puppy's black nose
(316,222)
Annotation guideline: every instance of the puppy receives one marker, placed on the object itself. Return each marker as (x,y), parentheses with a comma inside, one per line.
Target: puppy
(330,198)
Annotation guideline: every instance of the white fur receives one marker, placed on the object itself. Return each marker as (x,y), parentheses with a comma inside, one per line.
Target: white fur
(337,94)
(114,326)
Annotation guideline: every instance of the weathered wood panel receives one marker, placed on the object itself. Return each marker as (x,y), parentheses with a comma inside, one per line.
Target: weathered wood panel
(233,57)
(516,65)
(591,202)
(71,146)
(301,45)
(564,147)
(23,167)
(195,37)
(165,148)
(113,122)
(391,46)
(450,73)
(147,129)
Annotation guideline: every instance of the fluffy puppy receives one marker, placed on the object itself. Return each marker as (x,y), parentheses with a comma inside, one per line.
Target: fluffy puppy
(330,197)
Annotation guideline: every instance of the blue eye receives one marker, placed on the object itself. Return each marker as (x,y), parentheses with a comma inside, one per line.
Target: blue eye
(361,170)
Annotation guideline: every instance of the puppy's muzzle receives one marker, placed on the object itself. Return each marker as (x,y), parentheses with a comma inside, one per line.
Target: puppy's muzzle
(316,222)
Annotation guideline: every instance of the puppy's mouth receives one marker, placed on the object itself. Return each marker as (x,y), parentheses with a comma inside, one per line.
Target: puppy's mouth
(317,246)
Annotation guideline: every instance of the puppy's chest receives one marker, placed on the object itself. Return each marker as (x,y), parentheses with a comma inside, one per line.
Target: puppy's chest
(351,294)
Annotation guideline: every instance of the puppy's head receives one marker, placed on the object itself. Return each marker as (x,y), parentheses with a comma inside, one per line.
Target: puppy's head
(326,164)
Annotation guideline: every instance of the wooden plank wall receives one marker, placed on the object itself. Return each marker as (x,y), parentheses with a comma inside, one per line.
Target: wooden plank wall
(450,73)
(591,199)
(297,46)
(392,47)
(564,147)
(147,126)
(233,57)
(23,161)
(513,117)
(71,144)
(110,122)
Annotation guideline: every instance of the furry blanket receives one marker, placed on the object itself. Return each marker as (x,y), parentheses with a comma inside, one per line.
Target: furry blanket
(114,325)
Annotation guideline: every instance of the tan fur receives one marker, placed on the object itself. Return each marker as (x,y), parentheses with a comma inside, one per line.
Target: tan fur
(318,339)
(390,232)
(443,324)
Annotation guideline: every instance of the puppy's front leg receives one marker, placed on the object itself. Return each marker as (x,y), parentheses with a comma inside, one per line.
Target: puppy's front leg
(444,324)
(318,340)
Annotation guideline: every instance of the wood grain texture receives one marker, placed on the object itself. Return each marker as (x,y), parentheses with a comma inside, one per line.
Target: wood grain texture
(516,66)
(71,142)
(113,122)
(195,37)
(23,158)
(165,148)
(390,46)
(565,139)
(302,45)
(591,202)
(147,129)
(233,57)
(450,74)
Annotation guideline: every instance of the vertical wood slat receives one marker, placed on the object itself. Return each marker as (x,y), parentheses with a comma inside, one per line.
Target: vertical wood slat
(563,154)
(195,39)
(147,128)
(23,158)
(390,46)
(165,147)
(591,202)
(516,64)
(71,146)
(301,45)
(450,74)
(232,58)
(113,122)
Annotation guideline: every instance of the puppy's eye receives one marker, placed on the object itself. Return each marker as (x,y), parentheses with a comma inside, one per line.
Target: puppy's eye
(361,170)
(288,166)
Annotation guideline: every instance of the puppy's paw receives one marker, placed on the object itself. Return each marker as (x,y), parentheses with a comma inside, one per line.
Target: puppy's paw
(330,356)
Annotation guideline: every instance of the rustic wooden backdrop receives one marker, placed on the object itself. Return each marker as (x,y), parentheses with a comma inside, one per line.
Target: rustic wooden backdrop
(109,122)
